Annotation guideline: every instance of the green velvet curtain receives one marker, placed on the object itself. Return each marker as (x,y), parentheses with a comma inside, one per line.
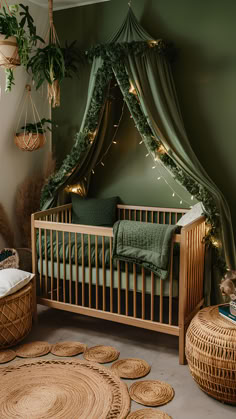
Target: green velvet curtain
(151,75)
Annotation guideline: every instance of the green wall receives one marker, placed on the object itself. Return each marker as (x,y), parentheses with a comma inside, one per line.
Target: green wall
(205,75)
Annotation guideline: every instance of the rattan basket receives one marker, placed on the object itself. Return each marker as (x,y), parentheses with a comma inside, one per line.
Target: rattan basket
(15,316)
(211,354)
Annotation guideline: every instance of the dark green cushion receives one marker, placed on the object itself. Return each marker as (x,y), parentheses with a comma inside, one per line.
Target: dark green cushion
(92,211)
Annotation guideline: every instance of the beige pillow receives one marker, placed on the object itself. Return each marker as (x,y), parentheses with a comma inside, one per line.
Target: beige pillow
(12,280)
(191,215)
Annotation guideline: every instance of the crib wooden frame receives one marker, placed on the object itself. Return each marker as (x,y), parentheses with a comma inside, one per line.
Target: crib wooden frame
(191,271)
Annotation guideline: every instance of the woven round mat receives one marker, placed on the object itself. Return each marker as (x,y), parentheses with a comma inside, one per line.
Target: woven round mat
(61,389)
(33,349)
(131,368)
(7,355)
(151,392)
(148,414)
(101,354)
(68,348)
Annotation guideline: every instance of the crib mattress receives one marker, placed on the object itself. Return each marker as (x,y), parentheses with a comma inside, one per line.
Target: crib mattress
(97,277)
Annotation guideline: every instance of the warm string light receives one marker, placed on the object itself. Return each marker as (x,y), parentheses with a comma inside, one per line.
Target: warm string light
(113,141)
(161,150)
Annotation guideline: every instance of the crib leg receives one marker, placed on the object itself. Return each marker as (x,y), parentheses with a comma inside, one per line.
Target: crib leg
(182,358)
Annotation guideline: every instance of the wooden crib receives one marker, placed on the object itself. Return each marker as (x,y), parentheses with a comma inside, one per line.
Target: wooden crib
(129,295)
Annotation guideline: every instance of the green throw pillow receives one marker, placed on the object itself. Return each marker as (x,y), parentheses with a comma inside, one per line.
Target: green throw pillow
(92,211)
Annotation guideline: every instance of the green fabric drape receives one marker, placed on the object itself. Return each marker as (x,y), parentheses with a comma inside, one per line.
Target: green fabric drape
(157,110)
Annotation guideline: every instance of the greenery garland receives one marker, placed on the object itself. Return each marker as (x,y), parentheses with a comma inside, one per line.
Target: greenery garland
(84,139)
(113,63)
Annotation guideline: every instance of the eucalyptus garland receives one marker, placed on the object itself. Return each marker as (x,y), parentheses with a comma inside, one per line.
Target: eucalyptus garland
(82,139)
(113,64)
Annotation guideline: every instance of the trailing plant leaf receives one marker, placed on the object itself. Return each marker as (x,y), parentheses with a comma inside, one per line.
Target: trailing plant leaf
(9,79)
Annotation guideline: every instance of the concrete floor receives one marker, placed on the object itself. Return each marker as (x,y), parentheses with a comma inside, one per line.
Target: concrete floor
(160,350)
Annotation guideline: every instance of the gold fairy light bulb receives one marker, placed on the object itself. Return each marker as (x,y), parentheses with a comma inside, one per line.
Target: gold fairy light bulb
(132,89)
(161,149)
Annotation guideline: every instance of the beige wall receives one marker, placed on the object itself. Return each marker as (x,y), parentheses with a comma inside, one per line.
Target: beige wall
(15,164)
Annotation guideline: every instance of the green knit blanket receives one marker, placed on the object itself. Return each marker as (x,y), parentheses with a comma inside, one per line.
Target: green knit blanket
(146,244)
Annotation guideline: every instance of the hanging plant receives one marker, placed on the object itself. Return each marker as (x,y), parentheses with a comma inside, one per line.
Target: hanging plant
(17,38)
(31,136)
(48,64)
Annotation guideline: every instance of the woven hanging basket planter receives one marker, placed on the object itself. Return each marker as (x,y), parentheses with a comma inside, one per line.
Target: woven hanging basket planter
(29,141)
(15,316)
(9,57)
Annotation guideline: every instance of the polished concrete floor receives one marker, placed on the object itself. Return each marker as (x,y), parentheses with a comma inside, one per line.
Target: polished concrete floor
(160,350)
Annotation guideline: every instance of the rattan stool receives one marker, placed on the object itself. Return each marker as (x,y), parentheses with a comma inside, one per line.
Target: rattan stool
(211,354)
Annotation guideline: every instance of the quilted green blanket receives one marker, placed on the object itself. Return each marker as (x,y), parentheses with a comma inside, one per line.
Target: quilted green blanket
(146,244)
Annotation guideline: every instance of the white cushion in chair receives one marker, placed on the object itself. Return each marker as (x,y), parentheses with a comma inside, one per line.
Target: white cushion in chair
(12,280)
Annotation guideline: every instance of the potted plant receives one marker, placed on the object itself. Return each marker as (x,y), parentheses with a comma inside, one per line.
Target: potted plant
(32,135)
(17,38)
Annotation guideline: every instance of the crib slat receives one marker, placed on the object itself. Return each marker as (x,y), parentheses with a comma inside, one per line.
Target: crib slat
(90,270)
(83,272)
(111,278)
(96,264)
(76,270)
(152,296)
(126,289)
(46,263)
(146,216)
(64,267)
(119,287)
(41,258)
(152,217)
(143,293)
(129,214)
(70,284)
(171,282)
(161,300)
(135,215)
(135,290)
(158,217)
(58,266)
(104,275)
(52,266)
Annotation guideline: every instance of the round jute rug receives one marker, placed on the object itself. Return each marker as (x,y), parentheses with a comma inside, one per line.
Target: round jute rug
(61,389)
(151,392)
(131,368)
(7,355)
(101,354)
(148,414)
(33,349)
(68,348)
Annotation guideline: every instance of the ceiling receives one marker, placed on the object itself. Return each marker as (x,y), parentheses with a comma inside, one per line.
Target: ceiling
(66,4)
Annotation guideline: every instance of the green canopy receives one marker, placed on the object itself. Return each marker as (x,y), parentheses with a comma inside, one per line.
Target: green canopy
(135,68)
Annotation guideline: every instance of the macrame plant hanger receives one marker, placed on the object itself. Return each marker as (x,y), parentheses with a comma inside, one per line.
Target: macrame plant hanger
(33,136)
(9,58)
(54,87)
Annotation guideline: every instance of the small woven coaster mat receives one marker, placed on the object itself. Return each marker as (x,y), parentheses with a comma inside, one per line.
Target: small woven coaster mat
(131,368)
(7,355)
(33,349)
(151,392)
(101,354)
(61,389)
(68,348)
(148,414)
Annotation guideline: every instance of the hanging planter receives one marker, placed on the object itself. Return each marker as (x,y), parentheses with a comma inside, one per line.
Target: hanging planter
(48,64)
(31,136)
(17,38)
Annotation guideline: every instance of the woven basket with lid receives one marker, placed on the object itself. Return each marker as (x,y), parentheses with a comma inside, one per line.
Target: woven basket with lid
(211,354)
